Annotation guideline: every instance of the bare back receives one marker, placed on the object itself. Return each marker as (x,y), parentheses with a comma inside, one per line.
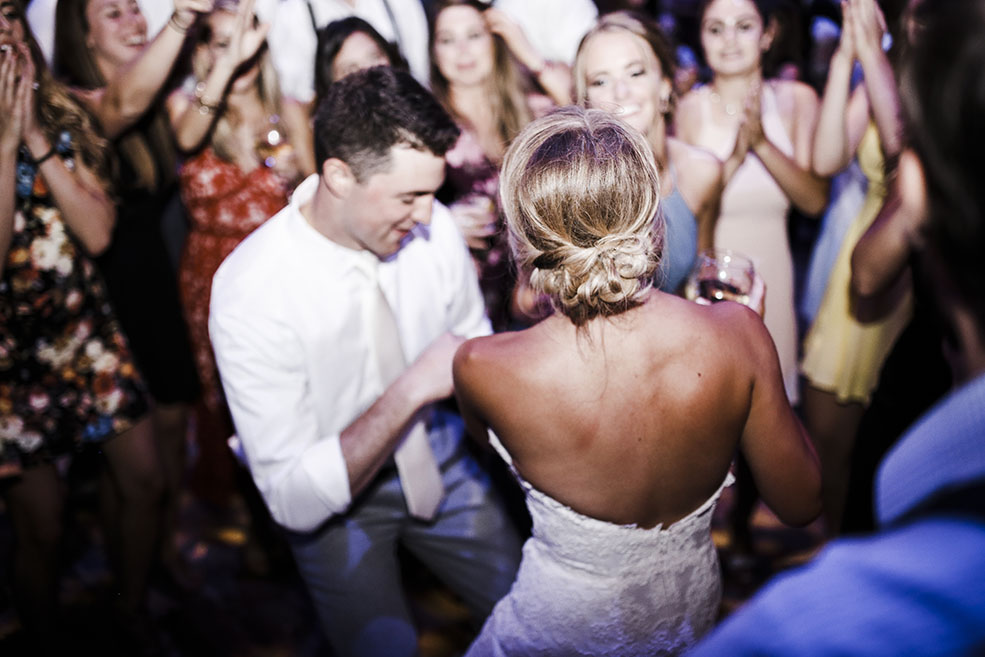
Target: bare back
(635,418)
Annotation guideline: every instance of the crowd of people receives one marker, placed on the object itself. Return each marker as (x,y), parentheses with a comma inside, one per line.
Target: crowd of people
(364,247)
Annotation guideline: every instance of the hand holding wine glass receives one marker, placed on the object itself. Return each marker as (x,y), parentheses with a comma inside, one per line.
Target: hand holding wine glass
(723,275)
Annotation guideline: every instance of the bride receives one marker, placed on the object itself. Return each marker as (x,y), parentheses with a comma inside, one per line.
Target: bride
(621,412)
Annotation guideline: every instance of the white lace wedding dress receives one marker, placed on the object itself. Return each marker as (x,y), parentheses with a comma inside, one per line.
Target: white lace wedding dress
(589,587)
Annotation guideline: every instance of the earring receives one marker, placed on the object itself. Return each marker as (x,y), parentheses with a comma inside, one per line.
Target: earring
(664,106)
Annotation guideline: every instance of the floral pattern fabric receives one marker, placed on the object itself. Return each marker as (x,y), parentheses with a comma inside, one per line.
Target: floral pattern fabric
(225,204)
(473,179)
(66,371)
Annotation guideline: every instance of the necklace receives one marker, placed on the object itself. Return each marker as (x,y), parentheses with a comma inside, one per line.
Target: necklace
(730,108)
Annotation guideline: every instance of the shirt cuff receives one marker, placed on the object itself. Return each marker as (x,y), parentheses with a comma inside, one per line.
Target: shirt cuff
(322,487)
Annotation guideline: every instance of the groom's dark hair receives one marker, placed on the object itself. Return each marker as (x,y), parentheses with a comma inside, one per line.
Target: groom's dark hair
(365,114)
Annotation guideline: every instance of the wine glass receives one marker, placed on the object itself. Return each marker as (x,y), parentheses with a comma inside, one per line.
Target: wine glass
(721,275)
(275,151)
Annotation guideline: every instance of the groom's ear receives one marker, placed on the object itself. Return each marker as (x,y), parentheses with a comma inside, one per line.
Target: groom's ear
(338,177)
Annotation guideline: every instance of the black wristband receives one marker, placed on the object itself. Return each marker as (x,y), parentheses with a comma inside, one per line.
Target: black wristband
(38,161)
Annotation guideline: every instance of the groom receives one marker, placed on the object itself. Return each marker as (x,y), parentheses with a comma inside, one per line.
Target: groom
(334,326)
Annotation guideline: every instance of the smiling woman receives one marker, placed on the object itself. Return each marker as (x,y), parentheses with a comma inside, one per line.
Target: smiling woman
(239,170)
(625,66)
(102,50)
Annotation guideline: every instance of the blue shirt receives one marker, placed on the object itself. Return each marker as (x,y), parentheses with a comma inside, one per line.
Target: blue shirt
(913,589)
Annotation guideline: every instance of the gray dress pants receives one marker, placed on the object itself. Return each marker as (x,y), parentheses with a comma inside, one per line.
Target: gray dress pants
(350,564)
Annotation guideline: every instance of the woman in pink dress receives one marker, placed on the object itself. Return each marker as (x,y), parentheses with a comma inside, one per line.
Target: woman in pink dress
(241,173)
(762,129)
(479,60)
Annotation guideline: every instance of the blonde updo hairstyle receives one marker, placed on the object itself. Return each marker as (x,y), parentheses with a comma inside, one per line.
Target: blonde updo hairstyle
(580,193)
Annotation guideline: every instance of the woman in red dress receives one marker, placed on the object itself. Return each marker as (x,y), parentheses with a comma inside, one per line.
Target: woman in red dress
(240,173)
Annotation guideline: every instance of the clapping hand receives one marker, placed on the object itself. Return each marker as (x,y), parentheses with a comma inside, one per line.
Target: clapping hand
(750,133)
(13,90)
(751,126)
(867,24)
(846,45)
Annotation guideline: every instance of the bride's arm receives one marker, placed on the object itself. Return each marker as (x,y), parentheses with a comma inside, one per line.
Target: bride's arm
(774,442)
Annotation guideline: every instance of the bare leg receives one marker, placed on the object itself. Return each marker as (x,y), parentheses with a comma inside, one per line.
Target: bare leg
(832,426)
(170,429)
(137,478)
(34,504)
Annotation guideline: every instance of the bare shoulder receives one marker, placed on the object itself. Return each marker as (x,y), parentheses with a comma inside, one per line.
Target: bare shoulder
(698,170)
(694,99)
(795,94)
(90,98)
(687,115)
(747,334)
(478,359)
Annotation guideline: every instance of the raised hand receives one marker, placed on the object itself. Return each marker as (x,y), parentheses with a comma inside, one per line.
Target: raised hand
(29,126)
(846,46)
(868,26)
(187,11)
(476,220)
(12,91)
(248,35)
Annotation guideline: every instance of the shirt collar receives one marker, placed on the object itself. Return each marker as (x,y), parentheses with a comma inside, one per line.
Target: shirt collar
(943,449)
(344,259)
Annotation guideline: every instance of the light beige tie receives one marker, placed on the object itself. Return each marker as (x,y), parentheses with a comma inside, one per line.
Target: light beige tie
(418,470)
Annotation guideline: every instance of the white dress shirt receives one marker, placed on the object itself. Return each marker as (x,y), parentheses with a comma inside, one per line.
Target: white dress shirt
(293,41)
(289,327)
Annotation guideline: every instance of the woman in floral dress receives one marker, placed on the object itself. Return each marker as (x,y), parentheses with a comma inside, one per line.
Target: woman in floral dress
(66,373)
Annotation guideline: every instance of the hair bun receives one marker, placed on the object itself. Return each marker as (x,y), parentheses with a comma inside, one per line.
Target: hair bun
(581,198)
(610,275)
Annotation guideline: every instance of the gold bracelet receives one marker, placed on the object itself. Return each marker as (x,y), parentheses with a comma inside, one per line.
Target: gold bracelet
(178,27)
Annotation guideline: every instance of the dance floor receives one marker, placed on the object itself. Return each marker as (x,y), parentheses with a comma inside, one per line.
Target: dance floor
(239,600)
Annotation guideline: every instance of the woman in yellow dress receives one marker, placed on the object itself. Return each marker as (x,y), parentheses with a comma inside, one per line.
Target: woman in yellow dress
(848,342)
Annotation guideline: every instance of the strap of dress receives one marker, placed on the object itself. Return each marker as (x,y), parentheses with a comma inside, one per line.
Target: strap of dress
(772,123)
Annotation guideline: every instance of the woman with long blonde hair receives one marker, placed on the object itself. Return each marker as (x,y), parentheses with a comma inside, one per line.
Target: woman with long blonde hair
(625,65)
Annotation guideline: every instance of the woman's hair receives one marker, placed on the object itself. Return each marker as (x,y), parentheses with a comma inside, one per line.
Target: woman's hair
(57,110)
(764,8)
(333,36)
(638,26)
(222,137)
(149,146)
(580,193)
(943,94)
(507,94)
